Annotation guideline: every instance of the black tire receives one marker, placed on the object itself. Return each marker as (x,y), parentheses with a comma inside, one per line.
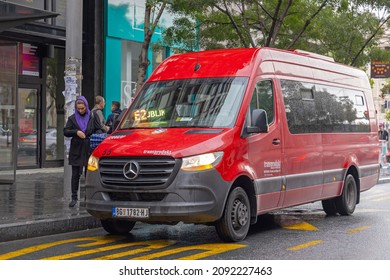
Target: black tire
(117,226)
(346,203)
(235,221)
(329,206)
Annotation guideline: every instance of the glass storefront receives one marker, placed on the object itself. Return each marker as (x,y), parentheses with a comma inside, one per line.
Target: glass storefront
(30,96)
(40,103)
(8,86)
(54,122)
(130,65)
(28,112)
(129,68)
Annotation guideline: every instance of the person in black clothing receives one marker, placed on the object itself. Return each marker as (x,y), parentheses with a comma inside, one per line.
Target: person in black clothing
(112,120)
(79,126)
(383,134)
(97,113)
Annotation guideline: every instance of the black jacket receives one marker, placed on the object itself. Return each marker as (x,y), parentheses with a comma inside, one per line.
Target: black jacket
(79,151)
(383,135)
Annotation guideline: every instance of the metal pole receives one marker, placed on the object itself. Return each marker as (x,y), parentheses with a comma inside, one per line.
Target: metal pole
(73,74)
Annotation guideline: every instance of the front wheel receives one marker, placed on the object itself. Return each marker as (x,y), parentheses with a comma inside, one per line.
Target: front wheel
(346,203)
(235,221)
(329,206)
(117,226)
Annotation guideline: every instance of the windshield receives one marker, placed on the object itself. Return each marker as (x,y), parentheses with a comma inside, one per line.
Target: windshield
(187,103)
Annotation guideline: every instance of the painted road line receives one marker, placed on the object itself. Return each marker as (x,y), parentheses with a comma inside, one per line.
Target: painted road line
(300,226)
(356,229)
(293,223)
(147,246)
(374,196)
(94,241)
(101,245)
(305,245)
(381,199)
(209,250)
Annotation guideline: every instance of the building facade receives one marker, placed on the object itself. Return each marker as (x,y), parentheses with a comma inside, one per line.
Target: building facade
(32,66)
(32,41)
(124,34)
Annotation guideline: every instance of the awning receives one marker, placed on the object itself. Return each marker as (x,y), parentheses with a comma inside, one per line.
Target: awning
(12,15)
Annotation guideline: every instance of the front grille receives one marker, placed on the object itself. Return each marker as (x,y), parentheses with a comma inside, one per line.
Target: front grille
(127,196)
(153,172)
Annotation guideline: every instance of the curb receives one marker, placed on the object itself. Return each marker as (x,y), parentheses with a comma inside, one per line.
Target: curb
(384,180)
(29,229)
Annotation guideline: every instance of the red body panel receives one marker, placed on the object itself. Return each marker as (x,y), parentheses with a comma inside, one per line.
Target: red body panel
(172,142)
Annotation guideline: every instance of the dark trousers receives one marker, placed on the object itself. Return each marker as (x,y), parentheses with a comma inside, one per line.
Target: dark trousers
(76,173)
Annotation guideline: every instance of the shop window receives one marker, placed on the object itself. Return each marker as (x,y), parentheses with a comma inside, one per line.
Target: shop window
(129,70)
(54,137)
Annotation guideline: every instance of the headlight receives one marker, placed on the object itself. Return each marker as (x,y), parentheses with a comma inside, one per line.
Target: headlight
(201,162)
(93,163)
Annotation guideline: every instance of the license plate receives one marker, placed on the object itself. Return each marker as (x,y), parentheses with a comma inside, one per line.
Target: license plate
(130,212)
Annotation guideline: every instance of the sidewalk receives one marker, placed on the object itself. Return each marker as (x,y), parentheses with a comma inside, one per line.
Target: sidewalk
(34,205)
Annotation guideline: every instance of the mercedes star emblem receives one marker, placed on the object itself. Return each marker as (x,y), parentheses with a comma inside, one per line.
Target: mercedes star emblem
(131,170)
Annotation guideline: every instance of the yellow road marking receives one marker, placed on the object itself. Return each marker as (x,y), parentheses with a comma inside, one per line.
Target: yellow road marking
(373,196)
(210,249)
(96,241)
(305,245)
(357,229)
(381,199)
(151,245)
(293,222)
(300,226)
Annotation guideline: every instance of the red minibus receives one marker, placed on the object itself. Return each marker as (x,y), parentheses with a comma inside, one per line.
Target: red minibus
(220,137)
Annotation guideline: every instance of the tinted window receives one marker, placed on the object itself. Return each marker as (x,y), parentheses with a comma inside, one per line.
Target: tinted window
(320,108)
(300,105)
(343,110)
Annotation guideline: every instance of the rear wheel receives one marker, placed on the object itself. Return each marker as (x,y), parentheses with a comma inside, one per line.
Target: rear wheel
(346,203)
(235,221)
(117,226)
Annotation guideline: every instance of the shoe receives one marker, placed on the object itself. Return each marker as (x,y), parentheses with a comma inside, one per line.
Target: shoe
(73,203)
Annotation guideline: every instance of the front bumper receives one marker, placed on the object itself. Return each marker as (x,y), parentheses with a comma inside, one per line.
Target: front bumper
(191,197)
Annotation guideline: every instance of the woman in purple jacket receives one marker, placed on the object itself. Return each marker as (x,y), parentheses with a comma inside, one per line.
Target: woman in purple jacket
(79,126)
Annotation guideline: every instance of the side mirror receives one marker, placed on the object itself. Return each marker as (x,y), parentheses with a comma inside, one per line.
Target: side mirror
(259,121)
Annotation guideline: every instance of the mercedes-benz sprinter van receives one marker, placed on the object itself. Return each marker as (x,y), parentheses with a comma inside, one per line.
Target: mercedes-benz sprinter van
(220,137)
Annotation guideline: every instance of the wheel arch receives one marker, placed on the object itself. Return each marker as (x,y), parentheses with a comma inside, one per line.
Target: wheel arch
(247,184)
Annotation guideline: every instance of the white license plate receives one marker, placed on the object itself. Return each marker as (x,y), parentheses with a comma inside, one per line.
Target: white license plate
(130,212)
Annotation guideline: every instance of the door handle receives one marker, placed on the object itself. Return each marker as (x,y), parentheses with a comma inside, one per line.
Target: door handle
(276,141)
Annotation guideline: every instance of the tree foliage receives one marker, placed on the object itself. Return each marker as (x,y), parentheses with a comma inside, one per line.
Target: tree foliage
(346,30)
(153,12)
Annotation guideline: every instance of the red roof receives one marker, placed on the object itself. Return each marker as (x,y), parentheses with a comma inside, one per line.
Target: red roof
(216,63)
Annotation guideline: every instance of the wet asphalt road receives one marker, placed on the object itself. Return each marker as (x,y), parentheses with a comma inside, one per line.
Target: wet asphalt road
(298,233)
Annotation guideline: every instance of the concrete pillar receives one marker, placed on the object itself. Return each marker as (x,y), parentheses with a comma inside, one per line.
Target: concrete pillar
(73,74)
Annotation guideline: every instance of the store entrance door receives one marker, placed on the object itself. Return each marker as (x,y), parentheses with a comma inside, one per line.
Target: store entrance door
(8,118)
(29,131)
